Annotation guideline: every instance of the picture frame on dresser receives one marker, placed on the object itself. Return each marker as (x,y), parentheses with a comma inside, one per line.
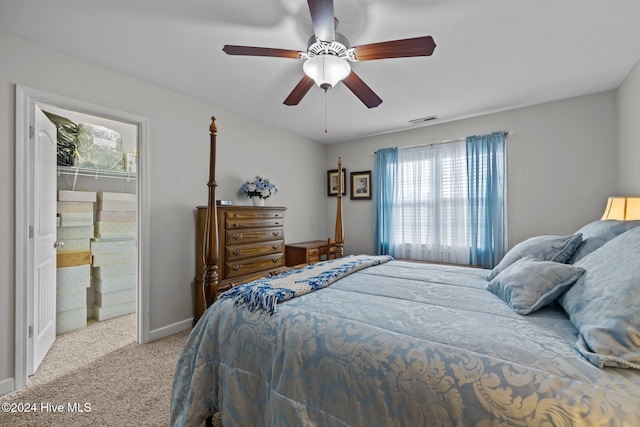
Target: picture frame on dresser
(361,185)
(332,182)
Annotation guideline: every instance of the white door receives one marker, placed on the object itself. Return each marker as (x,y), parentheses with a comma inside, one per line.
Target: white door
(42,324)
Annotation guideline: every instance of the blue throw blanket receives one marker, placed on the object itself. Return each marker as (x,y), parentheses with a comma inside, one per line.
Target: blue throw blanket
(264,294)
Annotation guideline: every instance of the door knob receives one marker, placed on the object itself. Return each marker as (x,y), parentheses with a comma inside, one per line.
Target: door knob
(58,245)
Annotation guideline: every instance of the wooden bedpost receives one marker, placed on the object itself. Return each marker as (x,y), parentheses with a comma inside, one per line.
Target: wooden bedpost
(210,249)
(339,229)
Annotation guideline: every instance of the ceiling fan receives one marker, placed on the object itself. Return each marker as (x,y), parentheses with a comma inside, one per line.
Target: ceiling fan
(328,55)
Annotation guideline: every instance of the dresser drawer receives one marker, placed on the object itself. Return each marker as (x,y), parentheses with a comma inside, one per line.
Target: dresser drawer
(252,265)
(227,284)
(253,218)
(235,252)
(251,235)
(251,223)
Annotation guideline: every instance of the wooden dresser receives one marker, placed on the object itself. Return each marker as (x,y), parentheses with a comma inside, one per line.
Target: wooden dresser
(251,244)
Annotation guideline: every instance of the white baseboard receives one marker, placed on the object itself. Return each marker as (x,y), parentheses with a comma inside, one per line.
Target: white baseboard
(174,328)
(7,386)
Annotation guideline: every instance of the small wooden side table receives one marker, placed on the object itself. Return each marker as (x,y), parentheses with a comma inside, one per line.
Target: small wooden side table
(305,252)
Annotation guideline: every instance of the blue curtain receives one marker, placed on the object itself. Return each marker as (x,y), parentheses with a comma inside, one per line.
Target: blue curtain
(384,184)
(486,170)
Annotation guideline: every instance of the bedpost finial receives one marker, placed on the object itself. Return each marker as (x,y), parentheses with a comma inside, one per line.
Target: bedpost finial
(213,129)
(339,161)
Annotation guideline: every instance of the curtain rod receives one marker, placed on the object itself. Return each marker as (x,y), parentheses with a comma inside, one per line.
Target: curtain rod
(448,141)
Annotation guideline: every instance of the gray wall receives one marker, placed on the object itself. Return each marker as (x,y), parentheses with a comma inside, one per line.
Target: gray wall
(628,106)
(179,147)
(562,165)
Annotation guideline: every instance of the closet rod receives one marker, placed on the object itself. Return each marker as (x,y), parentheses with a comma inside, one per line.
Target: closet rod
(448,141)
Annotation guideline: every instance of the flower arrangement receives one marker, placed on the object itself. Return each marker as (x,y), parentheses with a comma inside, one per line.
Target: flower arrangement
(259,187)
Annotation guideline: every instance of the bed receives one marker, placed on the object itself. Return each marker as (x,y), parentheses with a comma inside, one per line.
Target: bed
(549,337)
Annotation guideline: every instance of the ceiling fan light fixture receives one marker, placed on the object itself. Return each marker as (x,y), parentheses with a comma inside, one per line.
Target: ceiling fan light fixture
(326,70)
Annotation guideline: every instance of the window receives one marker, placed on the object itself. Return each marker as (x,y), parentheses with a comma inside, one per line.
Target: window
(444,202)
(431,204)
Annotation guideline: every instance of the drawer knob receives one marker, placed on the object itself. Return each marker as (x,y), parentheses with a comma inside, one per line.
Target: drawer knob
(237,252)
(237,236)
(276,259)
(276,233)
(235,225)
(237,267)
(276,246)
(277,223)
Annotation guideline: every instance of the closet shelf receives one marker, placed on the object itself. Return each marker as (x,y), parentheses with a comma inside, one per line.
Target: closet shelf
(96,173)
(73,170)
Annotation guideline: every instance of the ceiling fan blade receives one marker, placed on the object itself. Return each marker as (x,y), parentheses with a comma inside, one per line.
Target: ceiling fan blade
(299,91)
(361,90)
(260,51)
(323,18)
(418,46)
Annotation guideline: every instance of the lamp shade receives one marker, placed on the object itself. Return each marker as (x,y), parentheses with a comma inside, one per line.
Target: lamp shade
(622,208)
(326,70)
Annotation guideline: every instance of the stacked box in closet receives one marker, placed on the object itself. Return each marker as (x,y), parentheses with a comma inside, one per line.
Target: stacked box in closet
(73,259)
(114,251)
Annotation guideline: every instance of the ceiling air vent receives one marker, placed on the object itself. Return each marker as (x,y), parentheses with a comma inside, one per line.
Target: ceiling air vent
(422,120)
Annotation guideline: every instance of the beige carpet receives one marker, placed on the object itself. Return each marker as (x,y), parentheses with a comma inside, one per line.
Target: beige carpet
(102,371)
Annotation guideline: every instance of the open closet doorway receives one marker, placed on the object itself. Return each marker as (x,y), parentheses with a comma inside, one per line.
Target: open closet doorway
(31,314)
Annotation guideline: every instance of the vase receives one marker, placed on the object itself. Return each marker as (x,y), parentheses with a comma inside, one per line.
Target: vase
(257,201)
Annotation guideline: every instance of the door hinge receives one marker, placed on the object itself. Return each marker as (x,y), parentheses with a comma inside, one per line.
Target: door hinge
(31,231)
(30,332)
(31,132)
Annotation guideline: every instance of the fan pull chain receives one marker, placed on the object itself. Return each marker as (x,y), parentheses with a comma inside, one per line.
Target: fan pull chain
(325,110)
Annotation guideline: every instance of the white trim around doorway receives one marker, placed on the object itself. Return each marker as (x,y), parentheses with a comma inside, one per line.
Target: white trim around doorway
(25,97)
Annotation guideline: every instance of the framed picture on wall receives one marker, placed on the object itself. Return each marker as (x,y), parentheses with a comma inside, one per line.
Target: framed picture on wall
(361,185)
(332,182)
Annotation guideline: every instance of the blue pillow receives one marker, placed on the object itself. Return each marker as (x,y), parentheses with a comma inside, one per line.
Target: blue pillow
(545,248)
(529,283)
(597,233)
(604,304)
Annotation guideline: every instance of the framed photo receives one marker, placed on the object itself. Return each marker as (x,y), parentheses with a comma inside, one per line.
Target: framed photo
(361,185)
(332,182)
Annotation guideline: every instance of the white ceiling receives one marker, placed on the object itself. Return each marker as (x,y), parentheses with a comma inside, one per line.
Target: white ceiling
(491,55)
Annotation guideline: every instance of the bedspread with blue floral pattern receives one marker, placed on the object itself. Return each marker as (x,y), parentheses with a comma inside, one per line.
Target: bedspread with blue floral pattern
(398,344)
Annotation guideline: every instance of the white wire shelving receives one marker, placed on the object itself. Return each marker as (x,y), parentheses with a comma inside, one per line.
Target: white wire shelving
(96,173)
